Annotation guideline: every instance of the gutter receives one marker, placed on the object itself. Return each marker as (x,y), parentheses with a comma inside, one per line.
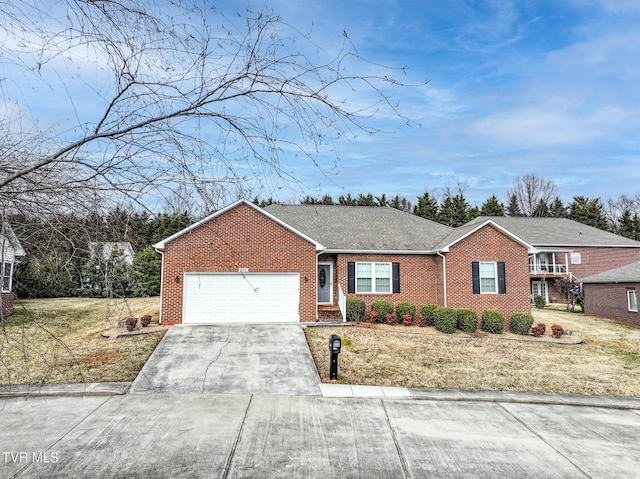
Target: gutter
(161,251)
(444,275)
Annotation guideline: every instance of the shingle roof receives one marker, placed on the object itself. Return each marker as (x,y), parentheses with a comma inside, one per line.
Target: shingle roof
(362,228)
(629,273)
(557,232)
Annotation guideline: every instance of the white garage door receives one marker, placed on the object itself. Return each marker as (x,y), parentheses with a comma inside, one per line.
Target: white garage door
(241,298)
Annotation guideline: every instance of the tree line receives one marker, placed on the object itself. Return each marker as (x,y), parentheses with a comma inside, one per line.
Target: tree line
(529,196)
(64,253)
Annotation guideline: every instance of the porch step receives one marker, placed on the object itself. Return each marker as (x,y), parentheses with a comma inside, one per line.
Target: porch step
(329,313)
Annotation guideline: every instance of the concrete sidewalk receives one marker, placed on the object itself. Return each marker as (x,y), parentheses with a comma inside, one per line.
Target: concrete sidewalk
(238,436)
(355,391)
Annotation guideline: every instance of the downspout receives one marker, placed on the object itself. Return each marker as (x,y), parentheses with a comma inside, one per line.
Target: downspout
(161,280)
(444,275)
(318,253)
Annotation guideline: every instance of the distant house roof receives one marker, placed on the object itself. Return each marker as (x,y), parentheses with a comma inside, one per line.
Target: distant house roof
(629,273)
(362,228)
(109,247)
(7,234)
(558,232)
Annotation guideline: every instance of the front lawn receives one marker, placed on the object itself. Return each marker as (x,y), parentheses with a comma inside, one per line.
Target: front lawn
(607,363)
(48,341)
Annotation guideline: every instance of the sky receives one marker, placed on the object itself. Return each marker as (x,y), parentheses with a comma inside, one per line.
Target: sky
(515,87)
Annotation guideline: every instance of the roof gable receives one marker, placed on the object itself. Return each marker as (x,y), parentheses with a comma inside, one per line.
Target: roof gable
(160,245)
(362,228)
(458,234)
(558,232)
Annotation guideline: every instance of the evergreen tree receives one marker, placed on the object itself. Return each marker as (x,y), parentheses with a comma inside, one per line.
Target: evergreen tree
(426,207)
(146,273)
(366,200)
(454,211)
(589,212)
(557,209)
(382,200)
(513,208)
(541,210)
(327,200)
(629,225)
(492,207)
(347,200)
(400,203)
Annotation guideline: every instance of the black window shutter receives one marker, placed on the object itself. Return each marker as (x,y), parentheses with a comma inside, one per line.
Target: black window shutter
(351,277)
(475,275)
(502,280)
(396,277)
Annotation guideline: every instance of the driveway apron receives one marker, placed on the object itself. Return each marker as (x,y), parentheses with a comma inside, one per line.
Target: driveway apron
(231,359)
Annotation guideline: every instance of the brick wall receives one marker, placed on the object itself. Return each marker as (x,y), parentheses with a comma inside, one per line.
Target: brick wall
(6,300)
(420,278)
(240,238)
(489,244)
(609,300)
(596,260)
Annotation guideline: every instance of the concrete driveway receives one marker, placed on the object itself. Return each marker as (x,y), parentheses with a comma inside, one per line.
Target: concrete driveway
(231,358)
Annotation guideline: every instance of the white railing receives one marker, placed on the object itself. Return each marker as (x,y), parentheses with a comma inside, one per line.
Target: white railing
(342,304)
(548,269)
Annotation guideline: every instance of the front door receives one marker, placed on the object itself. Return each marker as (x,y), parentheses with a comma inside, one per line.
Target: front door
(325,283)
(539,288)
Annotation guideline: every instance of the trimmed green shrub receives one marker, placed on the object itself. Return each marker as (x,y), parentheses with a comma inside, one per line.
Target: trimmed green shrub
(429,313)
(521,323)
(492,322)
(467,320)
(356,308)
(539,302)
(382,307)
(446,320)
(402,309)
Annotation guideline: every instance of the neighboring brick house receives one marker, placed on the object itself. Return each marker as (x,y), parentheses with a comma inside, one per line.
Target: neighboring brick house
(10,251)
(566,248)
(613,294)
(290,263)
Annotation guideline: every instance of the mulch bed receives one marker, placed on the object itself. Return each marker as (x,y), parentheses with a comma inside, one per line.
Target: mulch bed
(114,333)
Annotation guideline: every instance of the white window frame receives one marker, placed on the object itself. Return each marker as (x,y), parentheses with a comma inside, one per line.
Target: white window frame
(9,276)
(494,277)
(373,265)
(576,257)
(632,301)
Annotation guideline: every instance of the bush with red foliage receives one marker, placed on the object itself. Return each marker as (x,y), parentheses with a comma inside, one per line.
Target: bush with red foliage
(556,331)
(131,323)
(538,330)
(391,318)
(145,320)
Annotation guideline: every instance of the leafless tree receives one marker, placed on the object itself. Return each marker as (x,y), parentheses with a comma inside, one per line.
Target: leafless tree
(102,100)
(181,94)
(531,191)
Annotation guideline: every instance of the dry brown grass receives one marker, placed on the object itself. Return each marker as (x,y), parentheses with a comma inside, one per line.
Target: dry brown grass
(606,363)
(49,341)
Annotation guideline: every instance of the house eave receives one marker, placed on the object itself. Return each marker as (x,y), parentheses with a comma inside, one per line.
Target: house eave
(378,251)
(160,245)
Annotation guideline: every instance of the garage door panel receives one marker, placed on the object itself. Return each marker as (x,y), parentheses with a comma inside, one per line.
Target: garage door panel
(235,297)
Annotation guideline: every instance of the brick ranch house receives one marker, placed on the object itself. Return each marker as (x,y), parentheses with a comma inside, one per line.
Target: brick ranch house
(10,251)
(613,294)
(566,248)
(298,263)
